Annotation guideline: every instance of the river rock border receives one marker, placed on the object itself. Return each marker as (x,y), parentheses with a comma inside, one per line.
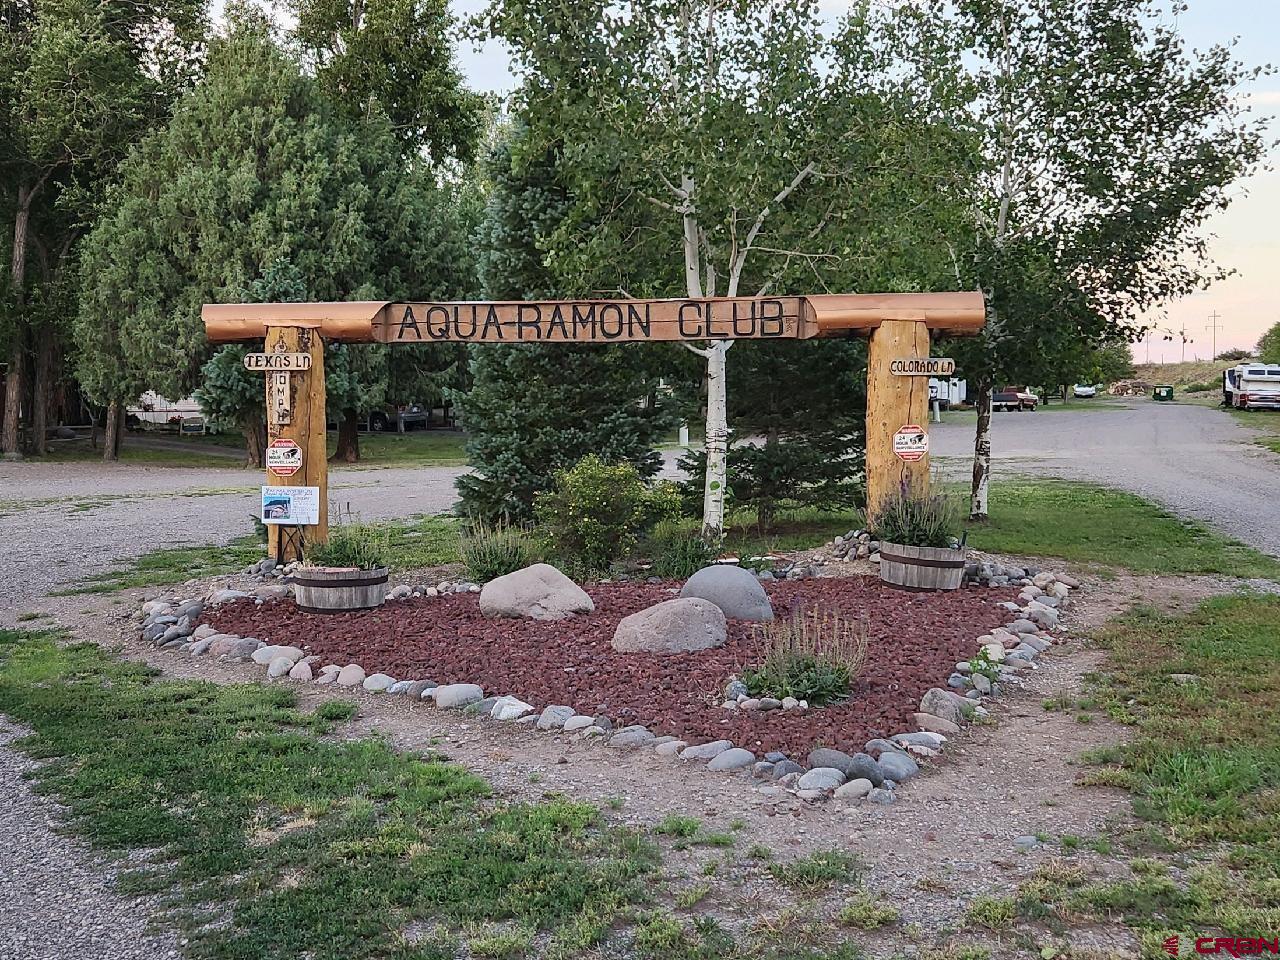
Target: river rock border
(1000,660)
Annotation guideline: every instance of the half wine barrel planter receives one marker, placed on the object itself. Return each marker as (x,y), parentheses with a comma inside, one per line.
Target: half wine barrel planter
(334,589)
(921,568)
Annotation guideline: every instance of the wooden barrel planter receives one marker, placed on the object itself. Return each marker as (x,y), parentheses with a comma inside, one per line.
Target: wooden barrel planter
(335,589)
(921,568)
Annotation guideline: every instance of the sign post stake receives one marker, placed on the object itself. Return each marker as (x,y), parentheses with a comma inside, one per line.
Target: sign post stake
(895,402)
(296,412)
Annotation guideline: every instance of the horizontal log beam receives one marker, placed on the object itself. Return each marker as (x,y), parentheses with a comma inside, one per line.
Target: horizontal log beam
(601,321)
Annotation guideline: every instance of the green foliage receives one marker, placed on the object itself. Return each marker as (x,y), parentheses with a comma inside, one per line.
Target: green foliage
(394,56)
(343,843)
(257,179)
(982,664)
(364,546)
(914,521)
(807,399)
(494,551)
(995,913)
(1236,354)
(336,710)
(1268,348)
(677,550)
(812,656)
(533,409)
(596,512)
(678,825)
(1205,387)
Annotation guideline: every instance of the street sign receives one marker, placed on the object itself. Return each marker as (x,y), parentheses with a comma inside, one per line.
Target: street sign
(276,362)
(923,367)
(284,457)
(910,443)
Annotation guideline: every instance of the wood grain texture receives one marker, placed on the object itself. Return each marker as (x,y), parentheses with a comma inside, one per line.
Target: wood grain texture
(894,402)
(307,428)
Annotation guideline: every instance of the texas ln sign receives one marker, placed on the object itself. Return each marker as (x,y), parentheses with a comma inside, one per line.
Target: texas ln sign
(899,326)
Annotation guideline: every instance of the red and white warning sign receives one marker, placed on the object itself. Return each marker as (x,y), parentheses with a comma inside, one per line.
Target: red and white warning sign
(910,443)
(284,457)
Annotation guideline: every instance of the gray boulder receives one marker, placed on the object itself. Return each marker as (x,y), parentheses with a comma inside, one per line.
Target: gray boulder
(278,667)
(673,626)
(854,789)
(378,682)
(264,655)
(633,736)
(705,751)
(940,703)
(454,695)
(821,778)
(540,592)
(352,675)
(859,765)
(735,758)
(554,717)
(782,768)
(897,766)
(735,591)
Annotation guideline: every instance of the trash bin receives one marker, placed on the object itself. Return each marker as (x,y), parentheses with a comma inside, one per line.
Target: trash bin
(1162,391)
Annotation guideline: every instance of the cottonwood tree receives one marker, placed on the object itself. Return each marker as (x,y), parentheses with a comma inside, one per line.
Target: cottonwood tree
(1102,147)
(79,83)
(1268,348)
(394,56)
(711,149)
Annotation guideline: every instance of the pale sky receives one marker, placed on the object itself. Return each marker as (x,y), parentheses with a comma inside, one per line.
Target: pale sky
(1245,237)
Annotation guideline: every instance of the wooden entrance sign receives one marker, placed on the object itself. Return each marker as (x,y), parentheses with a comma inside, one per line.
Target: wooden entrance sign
(899,326)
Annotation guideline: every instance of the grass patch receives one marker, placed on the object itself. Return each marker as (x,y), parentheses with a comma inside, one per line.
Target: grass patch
(423,542)
(1265,421)
(865,912)
(417,448)
(1089,524)
(274,843)
(174,565)
(1203,768)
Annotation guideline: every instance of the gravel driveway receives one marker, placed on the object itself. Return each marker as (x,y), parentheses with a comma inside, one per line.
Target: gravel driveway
(1197,461)
(59,900)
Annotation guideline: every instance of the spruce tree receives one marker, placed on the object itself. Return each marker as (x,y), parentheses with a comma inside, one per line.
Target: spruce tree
(535,408)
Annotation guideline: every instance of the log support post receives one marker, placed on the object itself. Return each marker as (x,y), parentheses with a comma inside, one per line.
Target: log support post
(299,416)
(892,403)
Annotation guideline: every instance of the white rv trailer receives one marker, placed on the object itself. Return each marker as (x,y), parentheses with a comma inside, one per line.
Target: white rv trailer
(1252,386)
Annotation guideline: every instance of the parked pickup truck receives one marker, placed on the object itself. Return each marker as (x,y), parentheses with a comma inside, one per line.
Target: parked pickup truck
(1014,398)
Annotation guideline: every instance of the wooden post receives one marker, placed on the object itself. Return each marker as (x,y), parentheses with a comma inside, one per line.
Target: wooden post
(303,423)
(892,403)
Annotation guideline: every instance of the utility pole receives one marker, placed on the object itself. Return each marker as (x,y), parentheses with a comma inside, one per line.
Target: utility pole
(1214,326)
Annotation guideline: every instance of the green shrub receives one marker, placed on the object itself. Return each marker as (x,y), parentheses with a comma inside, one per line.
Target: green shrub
(490,552)
(1204,387)
(596,513)
(678,550)
(811,656)
(932,521)
(365,546)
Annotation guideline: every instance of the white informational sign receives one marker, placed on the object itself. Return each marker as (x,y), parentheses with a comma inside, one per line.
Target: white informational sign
(910,443)
(284,457)
(291,506)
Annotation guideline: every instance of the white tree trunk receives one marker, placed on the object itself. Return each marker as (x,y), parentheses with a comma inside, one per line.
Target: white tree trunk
(717,444)
(978,497)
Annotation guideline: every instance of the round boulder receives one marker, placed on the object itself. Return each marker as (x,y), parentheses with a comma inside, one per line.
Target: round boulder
(735,591)
(673,626)
(540,592)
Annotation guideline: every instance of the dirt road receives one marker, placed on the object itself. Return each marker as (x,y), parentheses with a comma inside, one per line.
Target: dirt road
(1195,460)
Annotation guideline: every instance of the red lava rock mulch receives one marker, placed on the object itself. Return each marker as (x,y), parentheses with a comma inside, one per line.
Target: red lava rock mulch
(915,640)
